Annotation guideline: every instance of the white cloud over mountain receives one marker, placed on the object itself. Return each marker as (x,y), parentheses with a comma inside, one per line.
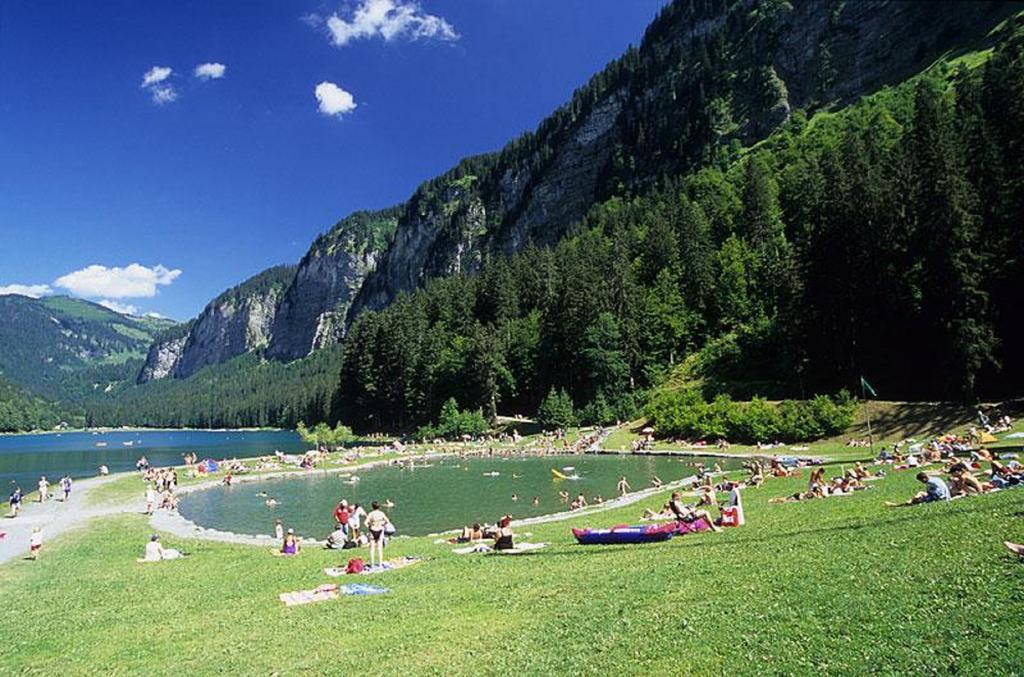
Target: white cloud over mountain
(333,100)
(132,281)
(389,20)
(32,290)
(123,308)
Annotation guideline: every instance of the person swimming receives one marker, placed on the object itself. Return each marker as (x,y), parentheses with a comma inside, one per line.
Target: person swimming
(536,501)
(271,502)
(515,497)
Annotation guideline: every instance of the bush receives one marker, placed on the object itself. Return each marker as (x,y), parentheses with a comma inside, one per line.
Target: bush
(453,423)
(685,413)
(324,435)
(598,412)
(556,411)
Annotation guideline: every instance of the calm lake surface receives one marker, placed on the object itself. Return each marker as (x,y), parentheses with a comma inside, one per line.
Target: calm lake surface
(443,495)
(23,458)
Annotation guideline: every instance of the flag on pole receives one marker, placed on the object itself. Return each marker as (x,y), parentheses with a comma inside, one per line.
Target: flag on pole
(867,386)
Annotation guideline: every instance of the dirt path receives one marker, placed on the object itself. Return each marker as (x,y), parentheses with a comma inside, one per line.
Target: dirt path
(55,517)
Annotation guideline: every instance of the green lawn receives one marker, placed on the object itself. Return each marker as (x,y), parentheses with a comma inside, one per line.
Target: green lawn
(840,585)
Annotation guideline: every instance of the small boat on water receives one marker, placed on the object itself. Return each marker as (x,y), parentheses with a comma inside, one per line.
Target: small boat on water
(625,533)
(128,443)
(101,444)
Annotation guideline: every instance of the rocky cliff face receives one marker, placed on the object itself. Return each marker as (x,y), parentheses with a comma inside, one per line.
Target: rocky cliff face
(162,358)
(236,322)
(706,74)
(314,307)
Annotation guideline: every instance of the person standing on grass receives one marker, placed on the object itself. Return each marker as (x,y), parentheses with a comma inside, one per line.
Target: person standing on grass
(44,489)
(35,543)
(376,523)
(279,530)
(150,499)
(355,521)
(65,485)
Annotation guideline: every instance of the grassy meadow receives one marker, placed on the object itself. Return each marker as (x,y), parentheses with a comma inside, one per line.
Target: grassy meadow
(838,585)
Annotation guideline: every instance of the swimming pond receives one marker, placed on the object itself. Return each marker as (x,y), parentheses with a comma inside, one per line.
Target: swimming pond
(441,494)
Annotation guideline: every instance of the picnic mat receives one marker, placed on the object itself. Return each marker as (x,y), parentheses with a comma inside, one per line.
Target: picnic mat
(389,565)
(329,591)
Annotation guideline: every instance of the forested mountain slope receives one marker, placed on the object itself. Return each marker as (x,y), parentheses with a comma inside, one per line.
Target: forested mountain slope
(63,348)
(718,208)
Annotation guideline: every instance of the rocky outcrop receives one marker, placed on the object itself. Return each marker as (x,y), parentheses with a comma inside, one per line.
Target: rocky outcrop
(162,358)
(236,322)
(313,309)
(647,115)
(707,75)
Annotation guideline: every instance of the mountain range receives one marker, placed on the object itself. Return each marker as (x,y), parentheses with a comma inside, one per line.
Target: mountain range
(710,79)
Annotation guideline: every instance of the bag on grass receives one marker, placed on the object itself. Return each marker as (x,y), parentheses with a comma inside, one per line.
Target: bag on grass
(355,566)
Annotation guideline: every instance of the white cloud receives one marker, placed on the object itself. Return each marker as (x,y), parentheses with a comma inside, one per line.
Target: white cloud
(155,82)
(155,75)
(31,290)
(210,71)
(163,94)
(390,20)
(333,99)
(123,308)
(132,281)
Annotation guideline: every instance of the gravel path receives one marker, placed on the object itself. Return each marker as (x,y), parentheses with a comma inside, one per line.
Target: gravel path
(55,517)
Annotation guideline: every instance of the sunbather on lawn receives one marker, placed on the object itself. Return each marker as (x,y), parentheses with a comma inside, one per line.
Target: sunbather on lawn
(936,490)
(688,515)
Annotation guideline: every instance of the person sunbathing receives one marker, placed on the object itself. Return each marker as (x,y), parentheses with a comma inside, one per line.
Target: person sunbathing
(688,515)
(936,490)
(664,512)
(291,544)
(860,471)
(155,552)
(963,483)
(337,539)
(503,537)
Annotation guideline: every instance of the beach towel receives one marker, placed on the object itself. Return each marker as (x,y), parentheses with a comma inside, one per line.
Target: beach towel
(329,591)
(697,525)
(479,547)
(390,565)
(522,548)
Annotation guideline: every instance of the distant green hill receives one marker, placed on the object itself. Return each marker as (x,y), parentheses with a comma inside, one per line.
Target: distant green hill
(20,410)
(61,348)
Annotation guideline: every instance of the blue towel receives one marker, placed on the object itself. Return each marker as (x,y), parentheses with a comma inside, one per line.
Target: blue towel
(361,589)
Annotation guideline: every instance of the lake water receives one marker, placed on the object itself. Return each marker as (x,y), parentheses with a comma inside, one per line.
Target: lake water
(444,495)
(23,458)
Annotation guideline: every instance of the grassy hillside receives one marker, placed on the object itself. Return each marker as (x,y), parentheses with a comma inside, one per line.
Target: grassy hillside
(63,348)
(841,585)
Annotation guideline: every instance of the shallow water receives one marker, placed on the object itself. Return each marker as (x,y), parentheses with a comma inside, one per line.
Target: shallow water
(447,494)
(23,458)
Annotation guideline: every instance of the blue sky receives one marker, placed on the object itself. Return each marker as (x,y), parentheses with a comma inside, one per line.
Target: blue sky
(203,178)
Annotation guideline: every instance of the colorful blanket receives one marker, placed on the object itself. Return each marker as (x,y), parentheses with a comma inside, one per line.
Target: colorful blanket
(390,565)
(329,591)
